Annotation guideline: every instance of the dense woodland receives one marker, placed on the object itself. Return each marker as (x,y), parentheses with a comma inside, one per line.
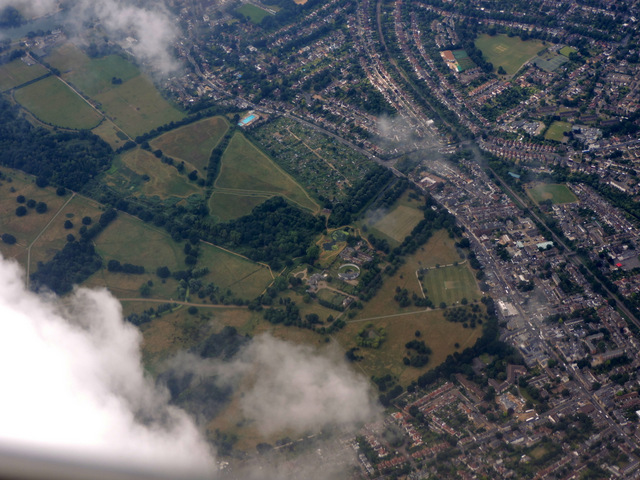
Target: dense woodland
(69,159)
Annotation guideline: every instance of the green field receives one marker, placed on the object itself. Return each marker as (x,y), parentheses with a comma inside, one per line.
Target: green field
(111,134)
(252,12)
(245,278)
(245,169)
(52,102)
(450,284)
(508,52)
(67,58)
(439,250)
(129,240)
(15,73)
(136,106)
(94,76)
(556,131)
(557,193)
(566,51)
(439,334)
(228,206)
(399,222)
(139,171)
(193,143)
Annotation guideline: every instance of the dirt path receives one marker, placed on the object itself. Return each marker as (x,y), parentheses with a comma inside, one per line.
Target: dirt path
(179,302)
(41,232)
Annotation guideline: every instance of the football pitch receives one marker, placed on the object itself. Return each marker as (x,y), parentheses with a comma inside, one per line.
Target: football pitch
(507,52)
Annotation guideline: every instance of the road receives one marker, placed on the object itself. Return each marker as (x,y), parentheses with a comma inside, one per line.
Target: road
(575,259)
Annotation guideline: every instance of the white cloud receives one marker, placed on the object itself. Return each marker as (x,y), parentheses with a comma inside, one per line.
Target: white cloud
(74,385)
(298,388)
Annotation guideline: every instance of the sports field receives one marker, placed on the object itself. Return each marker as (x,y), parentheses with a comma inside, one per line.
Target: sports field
(245,278)
(508,52)
(252,12)
(439,334)
(141,172)
(193,143)
(556,192)
(52,102)
(15,73)
(228,206)
(136,106)
(556,131)
(450,284)
(245,169)
(439,250)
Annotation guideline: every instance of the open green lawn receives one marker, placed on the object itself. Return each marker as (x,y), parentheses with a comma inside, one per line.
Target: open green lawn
(228,206)
(15,73)
(556,131)
(95,75)
(254,13)
(566,51)
(67,58)
(111,134)
(398,222)
(439,334)
(193,143)
(450,284)
(438,250)
(51,101)
(130,240)
(139,171)
(508,52)
(557,193)
(245,278)
(245,169)
(136,106)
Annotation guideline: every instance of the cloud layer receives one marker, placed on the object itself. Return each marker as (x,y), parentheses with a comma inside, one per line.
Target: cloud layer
(74,385)
(148,23)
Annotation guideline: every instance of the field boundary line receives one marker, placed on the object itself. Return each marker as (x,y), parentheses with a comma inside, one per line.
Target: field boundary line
(241,256)
(73,194)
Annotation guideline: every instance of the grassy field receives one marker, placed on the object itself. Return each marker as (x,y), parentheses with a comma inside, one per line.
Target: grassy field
(246,169)
(111,134)
(94,75)
(193,143)
(557,193)
(253,13)
(51,101)
(55,235)
(228,206)
(15,73)
(141,172)
(509,52)
(566,51)
(439,334)
(66,58)
(245,278)
(129,240)
(136,106)
(398,223)
(556,131)
(450,284)
(438,250)
(26,228)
